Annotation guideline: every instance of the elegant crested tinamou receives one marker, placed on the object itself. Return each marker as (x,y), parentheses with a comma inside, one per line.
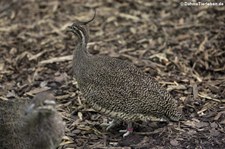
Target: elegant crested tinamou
(117,88)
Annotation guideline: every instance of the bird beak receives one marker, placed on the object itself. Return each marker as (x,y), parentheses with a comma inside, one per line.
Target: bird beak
(69,29)
(29,109)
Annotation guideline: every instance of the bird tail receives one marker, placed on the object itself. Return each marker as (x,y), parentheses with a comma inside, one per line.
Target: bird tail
(176,116)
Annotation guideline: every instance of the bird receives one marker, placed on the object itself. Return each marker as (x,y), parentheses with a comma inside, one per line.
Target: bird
(30,124)
(117,88)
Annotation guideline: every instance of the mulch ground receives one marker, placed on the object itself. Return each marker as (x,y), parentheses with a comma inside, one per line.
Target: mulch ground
(183,47)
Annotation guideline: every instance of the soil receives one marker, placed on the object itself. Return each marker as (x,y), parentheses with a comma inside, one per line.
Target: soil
(182,47)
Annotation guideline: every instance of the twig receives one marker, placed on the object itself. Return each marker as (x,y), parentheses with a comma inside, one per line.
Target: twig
(57,59)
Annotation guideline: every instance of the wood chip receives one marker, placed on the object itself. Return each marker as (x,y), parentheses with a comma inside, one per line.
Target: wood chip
(56,59)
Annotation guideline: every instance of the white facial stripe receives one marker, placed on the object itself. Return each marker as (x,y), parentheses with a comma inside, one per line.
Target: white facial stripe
(49,102)
(82,36)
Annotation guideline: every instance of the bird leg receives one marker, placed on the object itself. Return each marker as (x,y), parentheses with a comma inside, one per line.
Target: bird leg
(129,129)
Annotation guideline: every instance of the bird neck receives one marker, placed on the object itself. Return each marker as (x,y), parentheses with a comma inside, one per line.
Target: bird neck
(80,53)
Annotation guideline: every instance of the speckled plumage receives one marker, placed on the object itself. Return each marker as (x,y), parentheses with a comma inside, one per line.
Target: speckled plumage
(26,124)
(117,88)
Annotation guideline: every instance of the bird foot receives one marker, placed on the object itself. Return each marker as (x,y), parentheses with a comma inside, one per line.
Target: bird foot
(111,124)
(128,131)
(163,120)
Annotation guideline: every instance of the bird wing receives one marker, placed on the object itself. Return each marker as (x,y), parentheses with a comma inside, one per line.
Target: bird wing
(123,87)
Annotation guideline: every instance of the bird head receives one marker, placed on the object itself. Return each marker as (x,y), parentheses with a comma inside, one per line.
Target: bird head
(80,29)
(42,103)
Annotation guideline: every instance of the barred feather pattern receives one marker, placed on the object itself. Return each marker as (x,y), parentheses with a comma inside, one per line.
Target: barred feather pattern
(117,88)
